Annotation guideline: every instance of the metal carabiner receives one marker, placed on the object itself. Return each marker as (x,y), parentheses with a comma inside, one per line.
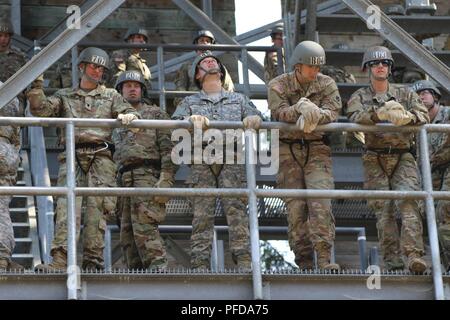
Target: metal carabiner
(103,149)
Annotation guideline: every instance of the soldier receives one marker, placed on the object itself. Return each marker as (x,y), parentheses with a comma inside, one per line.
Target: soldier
(143,160)
(183,81)
(93,147)
(439,114)
(133,59)
(9,162)
(388,161)
(11,59)
(271,58)
(213,102)
(117,66)
(308,98)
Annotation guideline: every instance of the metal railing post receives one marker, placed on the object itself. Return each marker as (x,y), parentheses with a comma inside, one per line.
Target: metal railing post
(214,254)
(72,268)
(431,217)
(250,161)
(161,79)
(107,250)
(244,59)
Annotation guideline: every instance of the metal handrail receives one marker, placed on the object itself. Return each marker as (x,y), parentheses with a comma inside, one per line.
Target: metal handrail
(71,190)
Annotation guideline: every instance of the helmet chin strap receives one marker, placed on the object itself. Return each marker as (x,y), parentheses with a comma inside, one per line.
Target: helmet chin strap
(83,73)
(210,71)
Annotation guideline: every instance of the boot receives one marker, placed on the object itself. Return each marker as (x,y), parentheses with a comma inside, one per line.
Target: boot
(324,257)
(159,265)
(91,266)
(3,264)
(59,262)
(416,264)
(305,262)
(14,266)
(244,262)
(394,263)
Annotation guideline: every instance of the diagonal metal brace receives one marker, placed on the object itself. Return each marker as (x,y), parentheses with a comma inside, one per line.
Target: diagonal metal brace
(56,49)
(412,49)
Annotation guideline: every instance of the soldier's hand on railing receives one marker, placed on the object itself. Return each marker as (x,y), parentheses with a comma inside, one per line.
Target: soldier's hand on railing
(165,181)
(199,121)
(126,118)
(309,115)
(395,113)
(252,122)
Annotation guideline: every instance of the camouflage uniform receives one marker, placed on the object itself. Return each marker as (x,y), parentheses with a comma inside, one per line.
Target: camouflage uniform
(390,165)
(339,75)
(141,157)
(440,159)
(10,62)
(94,165)
(232,107)
(62,77)
(9,162)
(183,82)
(271,65)
(305,163)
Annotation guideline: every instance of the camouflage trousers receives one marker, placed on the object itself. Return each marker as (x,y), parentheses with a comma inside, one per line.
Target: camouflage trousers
(395,172)
(218,176)
(91,170)
(441,181)
(142,245)
(9,162)
(311,222)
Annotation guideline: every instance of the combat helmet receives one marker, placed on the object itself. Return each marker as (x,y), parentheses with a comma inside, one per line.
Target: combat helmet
(376,53)
(6,26)
(278,28)
(421,85)
(136,30)
(94,55)
(200,58)
(309,53)
(130,75)
(204,33)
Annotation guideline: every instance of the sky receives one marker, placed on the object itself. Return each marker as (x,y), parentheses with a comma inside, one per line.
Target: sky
(248,18)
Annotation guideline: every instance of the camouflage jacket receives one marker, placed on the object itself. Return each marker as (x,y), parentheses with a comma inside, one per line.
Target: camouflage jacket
(11,133)
(439,142)
(339,75)
(183,81)
(271,65)
(147,144)
(10,62)
(364,102)
(99,103)
(229,106)
(284,92)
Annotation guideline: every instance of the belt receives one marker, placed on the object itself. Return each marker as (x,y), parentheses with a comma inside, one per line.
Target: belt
(138,164)
(95,146)
(305,142)
(388,150)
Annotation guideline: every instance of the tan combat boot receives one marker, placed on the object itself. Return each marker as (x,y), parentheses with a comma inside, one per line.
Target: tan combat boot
(9,265)
(324,257)
(3,264)
(59,262)
(416,264)
(244,262)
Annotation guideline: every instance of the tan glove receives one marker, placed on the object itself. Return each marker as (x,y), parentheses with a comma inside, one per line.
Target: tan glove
(199,121)
(309,115)
(165,181)
(126,118)
(394,112)
(35,96)
(252,122)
